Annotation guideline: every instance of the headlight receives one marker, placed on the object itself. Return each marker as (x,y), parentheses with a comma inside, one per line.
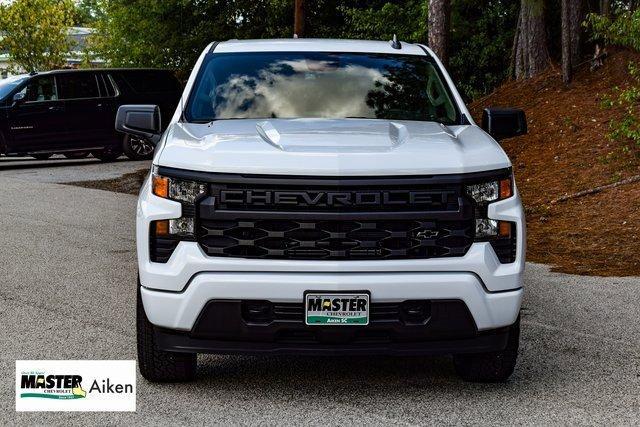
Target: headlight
(183,191)
(483,194)
(490,191)
(176,189)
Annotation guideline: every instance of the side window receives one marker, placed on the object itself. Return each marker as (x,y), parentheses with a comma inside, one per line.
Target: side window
(109,84)
(78,86)
(144,81)
(101,87)
(41,89)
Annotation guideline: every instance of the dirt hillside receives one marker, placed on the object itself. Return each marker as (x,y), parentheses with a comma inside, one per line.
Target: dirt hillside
(567,151)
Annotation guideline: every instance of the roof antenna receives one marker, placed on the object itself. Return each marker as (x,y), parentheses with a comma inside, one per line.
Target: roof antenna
(395,43)
(295,36)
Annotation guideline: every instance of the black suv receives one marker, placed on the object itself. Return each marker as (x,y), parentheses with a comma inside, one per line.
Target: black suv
(73,112)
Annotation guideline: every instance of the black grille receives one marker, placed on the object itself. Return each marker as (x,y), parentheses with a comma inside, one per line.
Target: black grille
(335,240)
(333,219)
(295,311)
(409,312)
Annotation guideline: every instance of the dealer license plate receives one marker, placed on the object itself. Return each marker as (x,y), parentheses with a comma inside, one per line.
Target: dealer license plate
(336,308)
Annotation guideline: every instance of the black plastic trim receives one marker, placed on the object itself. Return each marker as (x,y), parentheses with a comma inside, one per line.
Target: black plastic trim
(207,211)
(329,181)
(222,328)
(183,343)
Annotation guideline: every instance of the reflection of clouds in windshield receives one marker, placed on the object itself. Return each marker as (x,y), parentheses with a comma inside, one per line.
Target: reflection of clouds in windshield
(299,88)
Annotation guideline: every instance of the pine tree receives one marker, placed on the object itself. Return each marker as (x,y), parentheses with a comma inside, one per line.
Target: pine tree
(530,47)
(572,16)
(439,23)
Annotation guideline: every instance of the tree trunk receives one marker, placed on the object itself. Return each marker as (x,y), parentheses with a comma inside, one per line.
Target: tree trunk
(576,17)
(299,21)
(566,42)
(571,37)
(605,8)
(439,23)
(532,52)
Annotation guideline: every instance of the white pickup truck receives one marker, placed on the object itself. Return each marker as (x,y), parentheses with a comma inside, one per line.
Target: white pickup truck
(327,197)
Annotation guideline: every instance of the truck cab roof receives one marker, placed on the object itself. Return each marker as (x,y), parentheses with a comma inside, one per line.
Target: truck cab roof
(318,45)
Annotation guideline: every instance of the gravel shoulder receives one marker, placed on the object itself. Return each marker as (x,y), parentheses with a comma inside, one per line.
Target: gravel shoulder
(68,292)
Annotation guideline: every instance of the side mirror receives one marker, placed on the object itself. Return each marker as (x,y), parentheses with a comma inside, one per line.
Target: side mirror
(503,123)
(19,98)
(142,121)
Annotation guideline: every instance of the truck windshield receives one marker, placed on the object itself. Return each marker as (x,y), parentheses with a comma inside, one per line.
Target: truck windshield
(265,85)
(7,85)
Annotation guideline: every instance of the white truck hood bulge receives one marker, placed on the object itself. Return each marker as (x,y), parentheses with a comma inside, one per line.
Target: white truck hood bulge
(328,147)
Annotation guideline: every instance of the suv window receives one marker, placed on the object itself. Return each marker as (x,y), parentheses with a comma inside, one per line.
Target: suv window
(106,86)
(151,81)
(41,89)
(110,85)
(78,85)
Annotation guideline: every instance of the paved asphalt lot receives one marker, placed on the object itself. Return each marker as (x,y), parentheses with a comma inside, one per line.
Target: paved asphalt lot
(68,292)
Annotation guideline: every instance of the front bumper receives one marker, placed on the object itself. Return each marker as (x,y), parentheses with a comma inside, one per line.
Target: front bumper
(180,310)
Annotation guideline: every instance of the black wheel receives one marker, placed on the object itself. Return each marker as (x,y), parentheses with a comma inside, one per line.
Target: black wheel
(157,365)
(490,367)
(44,156)
(109,154)
(77,155)
(137,148)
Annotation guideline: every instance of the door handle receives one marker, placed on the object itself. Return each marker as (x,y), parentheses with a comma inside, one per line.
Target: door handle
(54,108)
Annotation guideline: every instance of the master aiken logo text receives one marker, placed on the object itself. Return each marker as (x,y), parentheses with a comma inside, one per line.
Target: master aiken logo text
(66,386)
(83,385)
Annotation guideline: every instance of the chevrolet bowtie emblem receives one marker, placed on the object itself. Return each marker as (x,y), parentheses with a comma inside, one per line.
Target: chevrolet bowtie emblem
(426,234)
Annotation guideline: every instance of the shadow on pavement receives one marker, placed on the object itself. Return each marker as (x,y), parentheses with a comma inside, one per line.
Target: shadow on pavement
(14,164)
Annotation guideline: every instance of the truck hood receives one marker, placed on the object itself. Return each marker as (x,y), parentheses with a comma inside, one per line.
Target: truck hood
(328,147)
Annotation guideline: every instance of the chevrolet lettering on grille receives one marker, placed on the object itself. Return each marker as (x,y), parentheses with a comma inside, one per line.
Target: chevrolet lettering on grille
(332,199)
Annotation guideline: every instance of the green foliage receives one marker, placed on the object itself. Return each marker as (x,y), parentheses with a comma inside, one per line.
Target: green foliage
(407,19)
(34,32)
(481,41)
(624,30)
(87,13)
(628,127)
(172,33)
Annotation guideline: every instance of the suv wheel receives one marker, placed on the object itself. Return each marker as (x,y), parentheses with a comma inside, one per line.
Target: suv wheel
(44,156)
(109,154)
(137,148)
(157,365)
(490,367)
(76,155)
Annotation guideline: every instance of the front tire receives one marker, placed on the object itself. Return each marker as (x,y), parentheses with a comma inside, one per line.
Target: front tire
(137,148)
(158,365)
(491,367)
(109,154)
